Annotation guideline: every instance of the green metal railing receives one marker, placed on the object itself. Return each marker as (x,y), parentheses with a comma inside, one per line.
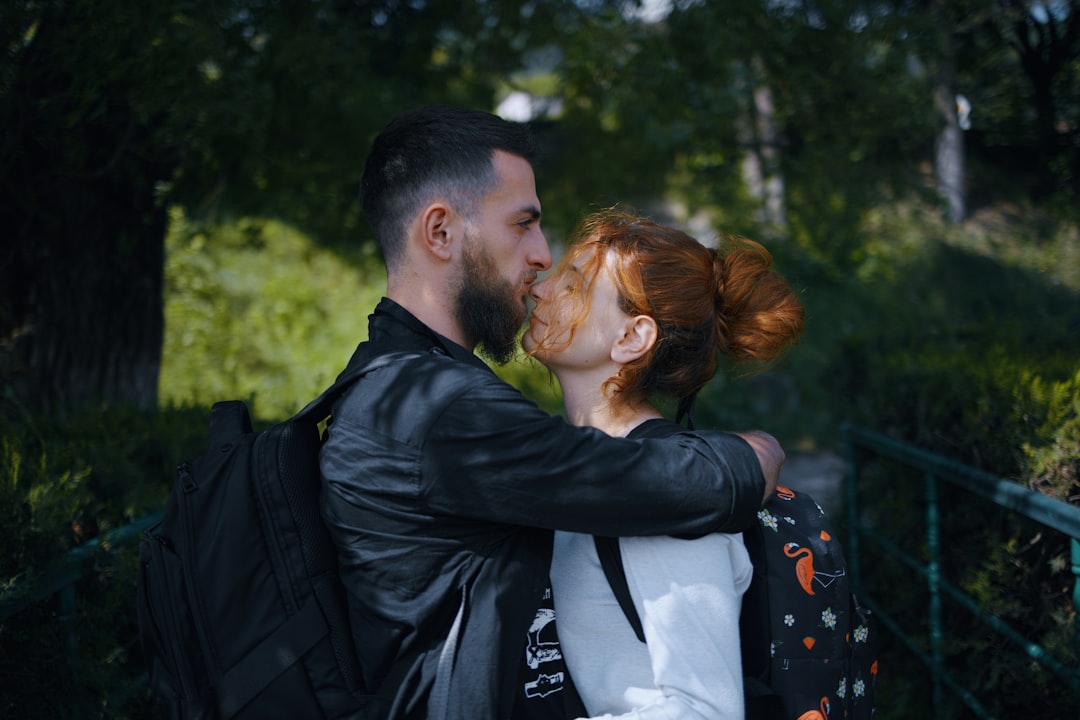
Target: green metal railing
(1048,512)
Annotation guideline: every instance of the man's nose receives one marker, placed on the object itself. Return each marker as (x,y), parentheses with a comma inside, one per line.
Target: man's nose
(540,254)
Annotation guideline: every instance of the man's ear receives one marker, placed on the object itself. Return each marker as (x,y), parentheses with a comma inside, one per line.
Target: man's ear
(437,229)
(638,336)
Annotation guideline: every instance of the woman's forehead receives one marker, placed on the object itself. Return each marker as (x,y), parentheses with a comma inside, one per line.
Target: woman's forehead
(577,258)
(588,256)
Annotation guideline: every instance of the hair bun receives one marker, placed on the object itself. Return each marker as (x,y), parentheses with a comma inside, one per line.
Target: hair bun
(757,315)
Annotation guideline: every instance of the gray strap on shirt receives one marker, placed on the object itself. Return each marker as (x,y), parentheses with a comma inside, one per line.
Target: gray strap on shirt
(438,706)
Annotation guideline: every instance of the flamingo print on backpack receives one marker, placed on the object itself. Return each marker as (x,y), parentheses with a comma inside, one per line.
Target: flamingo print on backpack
(804,565)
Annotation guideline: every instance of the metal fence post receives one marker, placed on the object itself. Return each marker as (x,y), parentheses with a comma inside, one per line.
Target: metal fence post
(1074,544)
(933,577)
(67,607)
(851,500)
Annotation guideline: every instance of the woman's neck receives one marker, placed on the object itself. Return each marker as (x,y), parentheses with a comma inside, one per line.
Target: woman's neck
(586,404)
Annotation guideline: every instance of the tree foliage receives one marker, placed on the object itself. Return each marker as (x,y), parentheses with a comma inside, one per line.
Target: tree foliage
(264,108)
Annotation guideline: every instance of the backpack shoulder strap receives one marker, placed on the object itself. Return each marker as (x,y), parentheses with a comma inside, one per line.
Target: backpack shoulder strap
(607,549)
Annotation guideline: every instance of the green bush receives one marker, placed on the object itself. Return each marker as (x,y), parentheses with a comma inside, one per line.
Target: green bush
(1051,458)
(257,310)
(62,485)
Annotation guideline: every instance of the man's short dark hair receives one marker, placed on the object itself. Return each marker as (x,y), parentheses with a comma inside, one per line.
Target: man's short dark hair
(437,150)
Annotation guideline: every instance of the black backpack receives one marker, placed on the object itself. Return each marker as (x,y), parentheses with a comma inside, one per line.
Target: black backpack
(241,610)
(807,645)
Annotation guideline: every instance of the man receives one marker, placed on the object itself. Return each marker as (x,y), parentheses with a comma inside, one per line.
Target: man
(442,483)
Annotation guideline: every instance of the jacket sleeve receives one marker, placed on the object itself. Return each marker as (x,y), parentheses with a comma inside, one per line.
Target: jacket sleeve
(492,454)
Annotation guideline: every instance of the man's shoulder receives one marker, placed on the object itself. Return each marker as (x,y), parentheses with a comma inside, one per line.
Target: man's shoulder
(407,398)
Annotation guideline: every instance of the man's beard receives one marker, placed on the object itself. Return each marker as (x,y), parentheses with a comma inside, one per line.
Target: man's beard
(488,307)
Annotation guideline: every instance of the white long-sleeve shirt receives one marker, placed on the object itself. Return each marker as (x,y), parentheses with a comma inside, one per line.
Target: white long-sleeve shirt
(688,594)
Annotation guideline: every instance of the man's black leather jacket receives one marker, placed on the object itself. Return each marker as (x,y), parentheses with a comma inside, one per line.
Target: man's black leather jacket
(441,486)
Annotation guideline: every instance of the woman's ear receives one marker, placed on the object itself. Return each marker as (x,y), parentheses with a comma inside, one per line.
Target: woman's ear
(638,336)
(438,235)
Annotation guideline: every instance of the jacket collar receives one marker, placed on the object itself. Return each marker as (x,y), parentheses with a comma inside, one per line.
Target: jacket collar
(392,324)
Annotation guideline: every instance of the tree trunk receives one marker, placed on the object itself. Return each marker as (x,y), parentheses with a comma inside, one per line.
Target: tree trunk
(83,318)
(761,166)
(81,313)
(1045,47)
(949,151)
(949,157)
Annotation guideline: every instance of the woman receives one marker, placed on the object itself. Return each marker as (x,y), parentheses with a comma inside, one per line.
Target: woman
(637,311)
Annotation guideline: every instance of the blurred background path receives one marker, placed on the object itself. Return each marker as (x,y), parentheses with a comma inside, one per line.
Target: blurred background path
(819,474)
